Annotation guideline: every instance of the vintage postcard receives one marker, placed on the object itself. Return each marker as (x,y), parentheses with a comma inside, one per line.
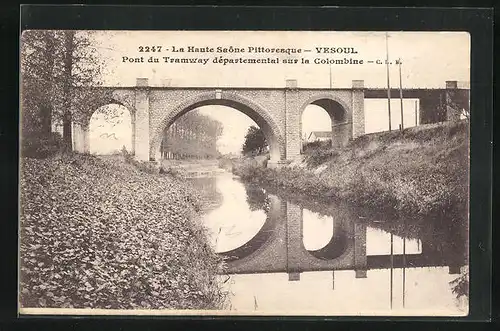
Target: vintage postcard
(244,173)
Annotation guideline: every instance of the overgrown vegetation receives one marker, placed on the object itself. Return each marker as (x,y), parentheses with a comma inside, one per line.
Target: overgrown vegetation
(421,171)
(41,145)
(99,233)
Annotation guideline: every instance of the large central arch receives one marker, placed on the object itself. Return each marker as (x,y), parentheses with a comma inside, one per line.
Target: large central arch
(259,115)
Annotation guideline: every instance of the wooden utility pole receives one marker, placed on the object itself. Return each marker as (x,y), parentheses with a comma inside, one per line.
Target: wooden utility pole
(404,270)
(388,79)
(416,113)
(401,94)
(392,265)
(330,76)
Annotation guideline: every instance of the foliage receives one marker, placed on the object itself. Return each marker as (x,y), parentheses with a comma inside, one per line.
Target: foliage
(255,141)
(313,145)
(458,102)
(99,233)
(319,156)
(41,146)
(257,198)
(460,285)
(193,135)
(55,68)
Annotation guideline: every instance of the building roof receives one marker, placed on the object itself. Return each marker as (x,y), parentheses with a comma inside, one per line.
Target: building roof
(321,134)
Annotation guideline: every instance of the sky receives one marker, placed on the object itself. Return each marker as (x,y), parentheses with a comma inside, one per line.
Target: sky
(428,60)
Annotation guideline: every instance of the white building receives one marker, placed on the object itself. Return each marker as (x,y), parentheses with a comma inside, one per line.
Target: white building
(319,136)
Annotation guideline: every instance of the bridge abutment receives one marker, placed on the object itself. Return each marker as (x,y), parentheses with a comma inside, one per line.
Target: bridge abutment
(141,122)
(294,238)
(81,138)
(293,140)
(358,109)
(360,258)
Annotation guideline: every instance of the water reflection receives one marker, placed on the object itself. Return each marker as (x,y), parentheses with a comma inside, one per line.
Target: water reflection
(378,242)
(235,221)
(284,253)
(318,230)
(323,237)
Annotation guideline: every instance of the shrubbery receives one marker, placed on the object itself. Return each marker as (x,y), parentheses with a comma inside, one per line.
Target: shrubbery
(40,146)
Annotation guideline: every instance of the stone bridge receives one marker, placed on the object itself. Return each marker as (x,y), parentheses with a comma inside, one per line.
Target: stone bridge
(277,111)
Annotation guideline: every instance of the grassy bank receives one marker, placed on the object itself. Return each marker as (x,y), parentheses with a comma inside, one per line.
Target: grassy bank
(100,233)
(422,171)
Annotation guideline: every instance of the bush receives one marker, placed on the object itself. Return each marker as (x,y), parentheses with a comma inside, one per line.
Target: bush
(41,146)
(317,144)
(320,156)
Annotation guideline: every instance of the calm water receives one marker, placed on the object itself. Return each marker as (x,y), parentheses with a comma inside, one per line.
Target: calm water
(288,254)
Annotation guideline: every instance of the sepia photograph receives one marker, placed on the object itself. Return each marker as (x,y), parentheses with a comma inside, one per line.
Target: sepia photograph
(278,173)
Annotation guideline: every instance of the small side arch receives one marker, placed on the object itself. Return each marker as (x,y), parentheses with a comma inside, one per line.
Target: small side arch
(339,112)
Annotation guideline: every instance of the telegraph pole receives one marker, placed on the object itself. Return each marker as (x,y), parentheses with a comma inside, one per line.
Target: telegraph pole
(392,264)
(401,94)
(388,80)
(416,114)
(404,270)
(330,76)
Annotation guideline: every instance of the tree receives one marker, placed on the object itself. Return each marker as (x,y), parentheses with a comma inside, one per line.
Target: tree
(38,54)
(255,141)
(192,135)
(257,198)
(457,103)
(57,70)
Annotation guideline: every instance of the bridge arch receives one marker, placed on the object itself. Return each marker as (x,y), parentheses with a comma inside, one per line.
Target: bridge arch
(258,114)
(110,127)
(94,101)
(107,102)
(339,113)
(96,98)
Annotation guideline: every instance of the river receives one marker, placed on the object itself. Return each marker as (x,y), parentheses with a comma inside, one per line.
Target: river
(291,255)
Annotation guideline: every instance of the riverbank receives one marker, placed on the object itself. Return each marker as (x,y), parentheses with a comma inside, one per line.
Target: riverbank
(420,172)
(100,233)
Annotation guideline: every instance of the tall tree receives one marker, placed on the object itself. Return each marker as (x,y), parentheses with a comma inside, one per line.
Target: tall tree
(55,65)
(69,48)
(38,64)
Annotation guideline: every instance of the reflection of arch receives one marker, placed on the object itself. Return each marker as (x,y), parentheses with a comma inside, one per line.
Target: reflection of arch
(259,115)
(256,242)
(334,248)
(253,244)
